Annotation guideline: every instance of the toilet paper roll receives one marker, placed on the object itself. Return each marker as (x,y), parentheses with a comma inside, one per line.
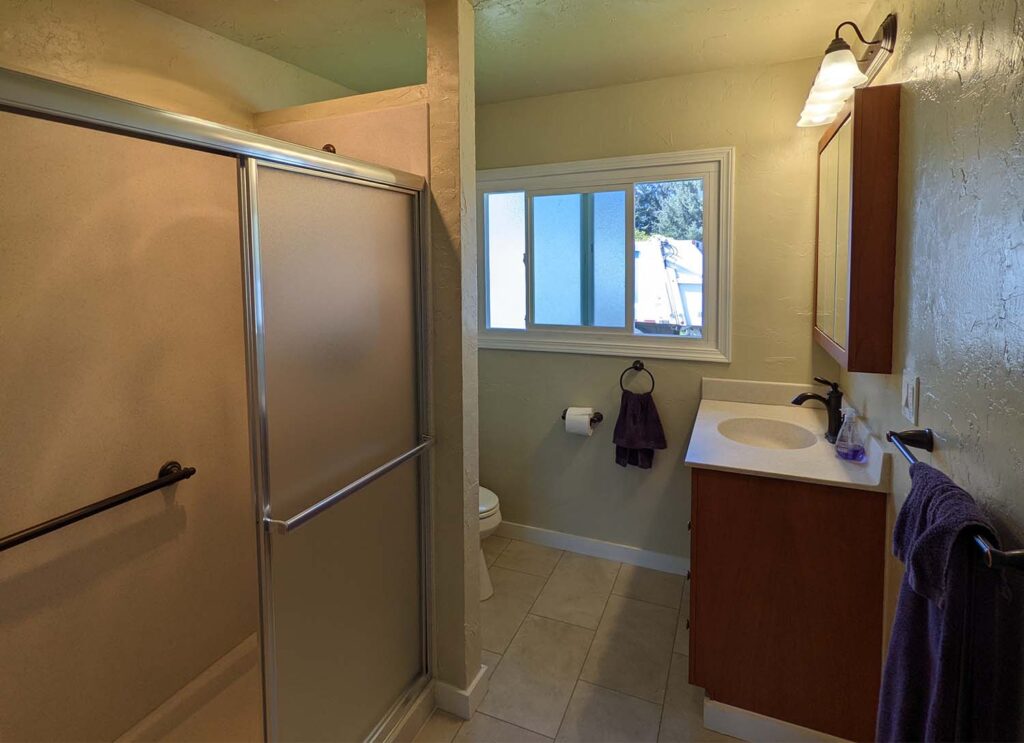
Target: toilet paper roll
(577,421)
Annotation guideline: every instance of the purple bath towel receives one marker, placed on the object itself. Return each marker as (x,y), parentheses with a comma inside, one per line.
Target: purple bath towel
(638,430)
(953,669)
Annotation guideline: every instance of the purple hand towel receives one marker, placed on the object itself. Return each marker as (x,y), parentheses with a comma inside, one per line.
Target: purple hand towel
(638,430)
(953,669)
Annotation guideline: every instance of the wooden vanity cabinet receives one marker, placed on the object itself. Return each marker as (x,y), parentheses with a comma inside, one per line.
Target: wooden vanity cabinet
(855,260)
(786,601)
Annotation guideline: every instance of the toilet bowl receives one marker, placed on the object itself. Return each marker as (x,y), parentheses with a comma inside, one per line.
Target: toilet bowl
(490,519)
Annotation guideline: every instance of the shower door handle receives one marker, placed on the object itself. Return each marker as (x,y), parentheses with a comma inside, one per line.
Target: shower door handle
(287,525)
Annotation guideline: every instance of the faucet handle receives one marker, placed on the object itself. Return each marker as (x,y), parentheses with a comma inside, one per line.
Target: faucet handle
(833,385)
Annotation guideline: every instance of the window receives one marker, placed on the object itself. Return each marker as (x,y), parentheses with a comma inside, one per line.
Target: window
(622,256)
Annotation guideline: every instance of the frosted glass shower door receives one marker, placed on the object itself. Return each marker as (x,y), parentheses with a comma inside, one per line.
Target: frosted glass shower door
(333,271)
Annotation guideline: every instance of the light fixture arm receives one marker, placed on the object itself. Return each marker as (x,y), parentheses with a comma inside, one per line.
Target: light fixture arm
(886,34)
(856,30)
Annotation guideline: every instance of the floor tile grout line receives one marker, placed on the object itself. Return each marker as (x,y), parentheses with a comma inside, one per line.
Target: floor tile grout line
(590,644)
(547,579)
(517,570)
(565,621)
(515,725)
(528,613)
(671,660)
(645,601)
(684,601)
(599,620)
(503,548)
(671,651)
(625,694)
(586,657)
(575,685)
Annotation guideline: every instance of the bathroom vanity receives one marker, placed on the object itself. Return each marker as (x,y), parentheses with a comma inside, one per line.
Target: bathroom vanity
(787,560)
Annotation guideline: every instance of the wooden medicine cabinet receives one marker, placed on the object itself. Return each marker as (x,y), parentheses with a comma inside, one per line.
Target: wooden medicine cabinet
(858,160)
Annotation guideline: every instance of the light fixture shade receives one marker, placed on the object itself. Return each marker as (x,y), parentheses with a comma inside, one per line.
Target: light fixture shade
(822,109)
(839,69)
(809,121)
(829,95)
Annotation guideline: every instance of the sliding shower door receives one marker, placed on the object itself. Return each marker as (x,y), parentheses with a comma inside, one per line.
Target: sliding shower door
(335,366)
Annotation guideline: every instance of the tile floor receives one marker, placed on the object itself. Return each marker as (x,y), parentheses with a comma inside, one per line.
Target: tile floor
(579,649)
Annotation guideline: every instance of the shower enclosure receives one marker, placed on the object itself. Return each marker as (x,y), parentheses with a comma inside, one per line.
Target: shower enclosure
(171,289)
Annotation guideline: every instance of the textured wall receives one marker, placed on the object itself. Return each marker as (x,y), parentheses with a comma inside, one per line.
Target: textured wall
(395,137)
(388,127)
(453,336)
(125,49)
(545,478)
(960,262)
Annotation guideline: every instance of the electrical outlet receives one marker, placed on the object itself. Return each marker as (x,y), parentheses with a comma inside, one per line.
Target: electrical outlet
(911,396)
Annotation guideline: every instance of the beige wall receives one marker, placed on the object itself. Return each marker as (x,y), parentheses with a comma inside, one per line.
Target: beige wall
(547,479)
(960,259)
(131,51)
(388,127)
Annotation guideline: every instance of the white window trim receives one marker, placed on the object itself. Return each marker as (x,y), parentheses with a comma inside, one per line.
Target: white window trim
(715,346)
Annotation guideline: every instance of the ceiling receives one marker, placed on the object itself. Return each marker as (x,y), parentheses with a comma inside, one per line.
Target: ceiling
(527,47)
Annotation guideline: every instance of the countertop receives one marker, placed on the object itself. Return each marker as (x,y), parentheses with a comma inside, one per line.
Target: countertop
(817,463)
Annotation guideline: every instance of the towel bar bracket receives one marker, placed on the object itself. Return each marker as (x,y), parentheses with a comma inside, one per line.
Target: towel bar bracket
(925,439)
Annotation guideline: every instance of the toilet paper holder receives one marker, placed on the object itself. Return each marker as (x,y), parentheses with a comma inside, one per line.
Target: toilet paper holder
(594,419)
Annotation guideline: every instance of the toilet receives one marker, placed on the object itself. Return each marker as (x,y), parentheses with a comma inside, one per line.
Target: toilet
(490,519)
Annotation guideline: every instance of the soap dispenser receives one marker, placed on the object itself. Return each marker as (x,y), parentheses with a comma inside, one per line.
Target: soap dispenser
(850,440)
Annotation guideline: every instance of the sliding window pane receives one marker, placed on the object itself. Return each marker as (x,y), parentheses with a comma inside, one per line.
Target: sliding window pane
(609,228)
(669,258)
(557,263)
(579,267)
(506,265)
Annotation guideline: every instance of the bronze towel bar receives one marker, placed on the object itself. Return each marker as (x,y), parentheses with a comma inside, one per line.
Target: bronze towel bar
(924,439)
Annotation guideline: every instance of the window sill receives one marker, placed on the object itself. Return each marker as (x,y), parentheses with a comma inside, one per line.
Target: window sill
(651,348)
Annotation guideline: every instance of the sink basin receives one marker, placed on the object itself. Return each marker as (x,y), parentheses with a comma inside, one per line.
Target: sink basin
(766,433)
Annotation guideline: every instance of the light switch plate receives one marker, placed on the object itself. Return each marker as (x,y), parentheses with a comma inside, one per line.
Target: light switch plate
(911,395)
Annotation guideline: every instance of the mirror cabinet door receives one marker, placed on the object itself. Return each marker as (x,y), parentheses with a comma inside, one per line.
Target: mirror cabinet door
(856,231)
(844,180)
(828,171)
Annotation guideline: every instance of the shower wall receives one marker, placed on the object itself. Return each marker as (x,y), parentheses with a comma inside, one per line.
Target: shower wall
(388,127)
(121,347)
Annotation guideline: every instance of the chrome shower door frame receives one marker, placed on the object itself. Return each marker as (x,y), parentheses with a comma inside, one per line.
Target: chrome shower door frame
(259,433)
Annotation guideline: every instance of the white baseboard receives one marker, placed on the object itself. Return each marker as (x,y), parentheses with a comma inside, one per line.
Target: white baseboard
(596,548)
(461,702)
(757,728)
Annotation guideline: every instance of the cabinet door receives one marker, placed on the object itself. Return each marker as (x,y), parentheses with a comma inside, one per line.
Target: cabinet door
(786,598)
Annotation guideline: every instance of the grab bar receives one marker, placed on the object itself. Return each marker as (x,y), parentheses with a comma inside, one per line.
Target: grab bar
(925,439)
(169,474)
(287,525)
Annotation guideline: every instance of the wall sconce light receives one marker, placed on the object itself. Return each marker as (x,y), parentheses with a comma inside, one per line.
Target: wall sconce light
(840,72)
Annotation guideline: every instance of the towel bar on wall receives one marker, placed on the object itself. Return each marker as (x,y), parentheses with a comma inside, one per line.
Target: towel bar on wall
(925,439)
(169,474)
